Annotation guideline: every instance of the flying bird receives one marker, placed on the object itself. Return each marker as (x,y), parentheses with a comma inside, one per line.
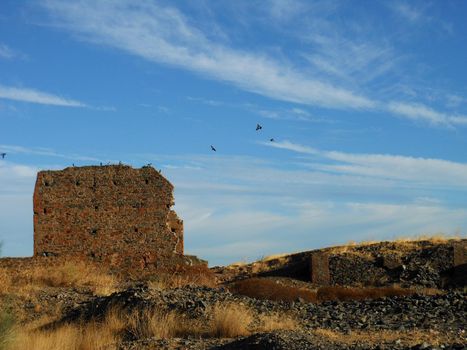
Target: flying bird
(272,140)
(3,155)
(258,127)
(212,148)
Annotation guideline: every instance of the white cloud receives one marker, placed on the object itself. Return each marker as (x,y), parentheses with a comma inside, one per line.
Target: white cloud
(422,171)
(36,96)
(417,111)
(16,178)
(163,35)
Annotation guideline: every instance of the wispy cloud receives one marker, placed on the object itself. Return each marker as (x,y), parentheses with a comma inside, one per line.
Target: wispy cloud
(420,112)
(163,35)
(294,113)
(284,10)
(45,152)
(206,101)
(419,13)
(36,96)
(422,171)
(6,52)
(348,59)
(408,11)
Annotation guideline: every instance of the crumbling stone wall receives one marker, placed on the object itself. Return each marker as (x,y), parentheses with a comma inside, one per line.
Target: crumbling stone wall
(114,215)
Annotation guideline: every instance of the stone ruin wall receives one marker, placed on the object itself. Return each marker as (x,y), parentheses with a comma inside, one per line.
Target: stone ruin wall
(113,215)
(429,265)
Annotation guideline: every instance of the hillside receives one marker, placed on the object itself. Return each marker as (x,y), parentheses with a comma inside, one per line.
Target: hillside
(386,295)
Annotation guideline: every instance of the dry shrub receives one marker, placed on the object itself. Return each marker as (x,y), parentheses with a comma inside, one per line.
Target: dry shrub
(231,320)
(267,289)
(356,293)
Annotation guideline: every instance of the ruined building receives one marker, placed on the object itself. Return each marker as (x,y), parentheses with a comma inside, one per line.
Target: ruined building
(114,215)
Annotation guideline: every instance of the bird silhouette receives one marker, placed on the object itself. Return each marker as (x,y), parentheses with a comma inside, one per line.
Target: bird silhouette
(258,127)
(212,148)
(3,155)
(271,139)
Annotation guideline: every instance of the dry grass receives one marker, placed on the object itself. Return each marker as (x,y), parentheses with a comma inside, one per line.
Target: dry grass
(267,289)
(402,244)
(230,321)
(6,330)
(222,321)
(274,322)
(5,280)
(68,337)
(200,277)
(75,274)
(161,325)
(67,274)
(408,338)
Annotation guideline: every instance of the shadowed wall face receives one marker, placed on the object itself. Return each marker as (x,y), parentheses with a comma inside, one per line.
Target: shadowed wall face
(114,215)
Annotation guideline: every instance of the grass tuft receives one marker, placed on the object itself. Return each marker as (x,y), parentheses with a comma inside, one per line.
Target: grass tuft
(229,321)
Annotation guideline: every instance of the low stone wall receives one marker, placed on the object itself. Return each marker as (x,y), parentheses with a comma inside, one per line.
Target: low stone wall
(424,264)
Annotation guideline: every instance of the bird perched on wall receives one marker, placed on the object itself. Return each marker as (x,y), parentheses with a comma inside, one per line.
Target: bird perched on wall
(258,127)
(3,155)
(213,149)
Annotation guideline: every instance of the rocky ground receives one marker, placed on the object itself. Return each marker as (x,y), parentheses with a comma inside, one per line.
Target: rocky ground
(434,320)
(340,323)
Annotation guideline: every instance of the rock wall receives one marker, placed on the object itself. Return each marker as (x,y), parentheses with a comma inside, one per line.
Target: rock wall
(114,215)
(426,263)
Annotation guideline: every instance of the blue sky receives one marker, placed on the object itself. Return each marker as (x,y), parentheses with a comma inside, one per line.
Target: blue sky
(366,102)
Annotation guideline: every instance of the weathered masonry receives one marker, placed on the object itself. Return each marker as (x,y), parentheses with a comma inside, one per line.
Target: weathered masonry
(115,215)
